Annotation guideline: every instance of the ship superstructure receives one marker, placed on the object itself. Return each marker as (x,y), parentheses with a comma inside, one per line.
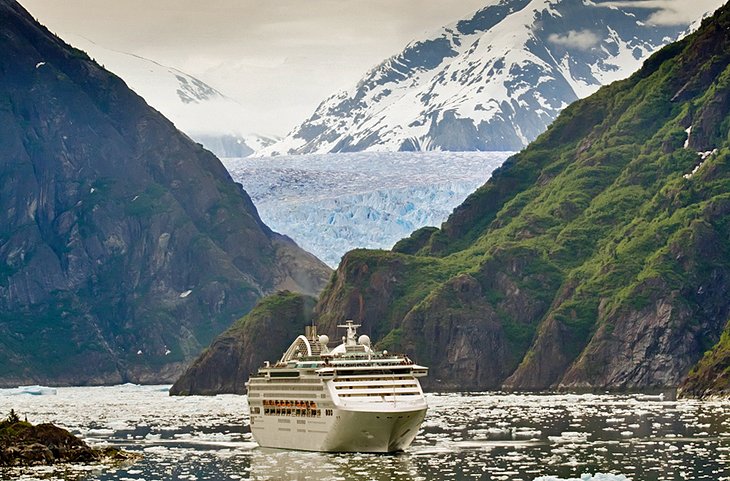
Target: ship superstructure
(349,398)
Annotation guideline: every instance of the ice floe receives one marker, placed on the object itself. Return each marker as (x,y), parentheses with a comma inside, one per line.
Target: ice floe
(465,436)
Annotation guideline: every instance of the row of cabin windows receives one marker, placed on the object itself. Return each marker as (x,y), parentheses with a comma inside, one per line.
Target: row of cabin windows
(290,404)
(292,412)
(309,413)
(389,378)
(395,363)
(382,395)
(292,387)
(292,408)
(375,386)
(369,372)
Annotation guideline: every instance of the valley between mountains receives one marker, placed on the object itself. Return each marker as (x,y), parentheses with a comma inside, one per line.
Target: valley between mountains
(596,258)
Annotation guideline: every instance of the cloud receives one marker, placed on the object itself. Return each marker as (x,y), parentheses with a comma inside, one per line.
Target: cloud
(578,39)
(669,12)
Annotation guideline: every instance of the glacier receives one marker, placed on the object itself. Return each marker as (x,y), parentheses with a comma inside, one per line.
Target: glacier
(332,203)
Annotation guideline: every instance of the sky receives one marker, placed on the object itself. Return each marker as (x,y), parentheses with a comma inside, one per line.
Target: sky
(278,58)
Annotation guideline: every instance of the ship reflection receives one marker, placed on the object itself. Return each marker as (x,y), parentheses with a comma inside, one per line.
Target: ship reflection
(276,464)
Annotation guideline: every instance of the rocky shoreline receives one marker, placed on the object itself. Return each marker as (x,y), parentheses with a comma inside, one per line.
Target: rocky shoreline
(25,444)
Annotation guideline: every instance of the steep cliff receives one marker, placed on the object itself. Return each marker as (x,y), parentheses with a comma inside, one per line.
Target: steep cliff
(261,335)
(710,378)
(124,246)
(598,257)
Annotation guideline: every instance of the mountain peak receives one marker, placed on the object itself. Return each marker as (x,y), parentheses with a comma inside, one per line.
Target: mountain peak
(494,81)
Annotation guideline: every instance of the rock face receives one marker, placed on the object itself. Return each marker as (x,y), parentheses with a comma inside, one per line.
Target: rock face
(263,334)
(597,258)
(494,81)
(124,246)
(710,378)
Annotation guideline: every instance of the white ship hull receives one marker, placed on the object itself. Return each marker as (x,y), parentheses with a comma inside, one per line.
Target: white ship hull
(349,399)
(345,431)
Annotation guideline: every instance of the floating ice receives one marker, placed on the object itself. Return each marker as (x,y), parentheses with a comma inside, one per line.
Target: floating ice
(464,437)
(587,477)
(29,390)
(569,437)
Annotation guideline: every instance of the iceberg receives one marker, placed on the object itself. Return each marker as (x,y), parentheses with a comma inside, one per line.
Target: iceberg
(587,477)
(29,390)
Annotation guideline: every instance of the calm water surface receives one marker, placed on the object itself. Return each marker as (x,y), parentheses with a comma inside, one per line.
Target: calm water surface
(486,436)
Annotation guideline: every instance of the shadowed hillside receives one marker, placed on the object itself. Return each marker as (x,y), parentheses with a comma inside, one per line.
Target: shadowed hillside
(124,246)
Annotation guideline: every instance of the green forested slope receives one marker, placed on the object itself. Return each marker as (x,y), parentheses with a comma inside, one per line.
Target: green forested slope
(598,257)
(711,376)
(261,335)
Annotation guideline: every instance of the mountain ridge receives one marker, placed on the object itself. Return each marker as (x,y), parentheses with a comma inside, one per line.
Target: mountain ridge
(224,366)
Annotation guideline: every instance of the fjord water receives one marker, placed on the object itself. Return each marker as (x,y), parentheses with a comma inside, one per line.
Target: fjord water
(490,436)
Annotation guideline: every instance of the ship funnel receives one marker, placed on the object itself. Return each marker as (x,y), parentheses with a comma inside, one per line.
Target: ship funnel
(310,332)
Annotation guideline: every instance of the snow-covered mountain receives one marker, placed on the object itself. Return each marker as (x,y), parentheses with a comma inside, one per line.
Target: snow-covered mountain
(205,114)
(330,204)
(494,81)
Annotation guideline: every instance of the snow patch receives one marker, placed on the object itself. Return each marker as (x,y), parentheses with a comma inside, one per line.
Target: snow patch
(196,108)
(703,157)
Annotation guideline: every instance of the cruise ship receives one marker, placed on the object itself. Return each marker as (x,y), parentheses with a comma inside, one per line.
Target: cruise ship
(346,399)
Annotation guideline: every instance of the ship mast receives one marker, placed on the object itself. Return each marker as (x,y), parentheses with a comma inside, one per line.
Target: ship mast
(351,327)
